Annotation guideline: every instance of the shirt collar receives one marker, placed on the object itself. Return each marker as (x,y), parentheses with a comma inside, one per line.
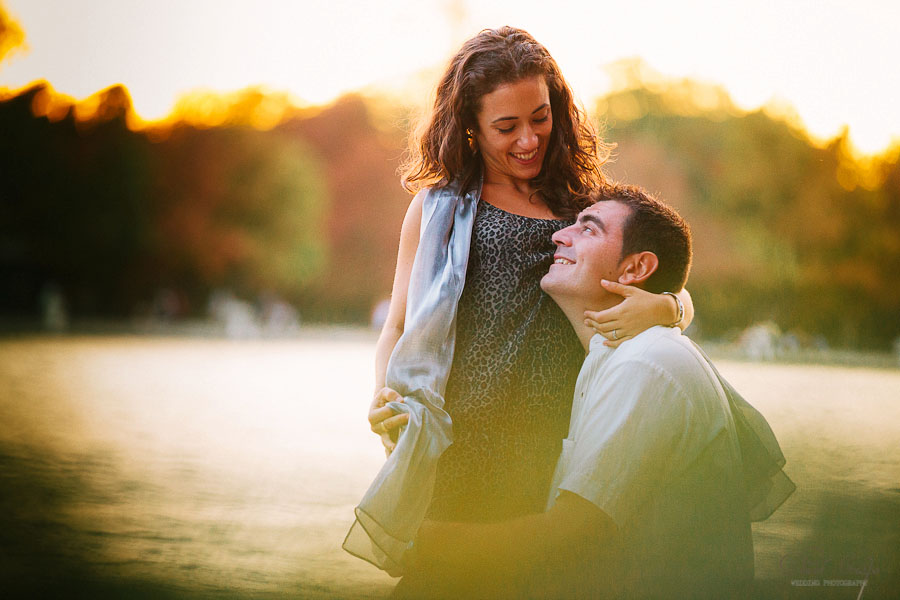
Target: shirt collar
(597,348)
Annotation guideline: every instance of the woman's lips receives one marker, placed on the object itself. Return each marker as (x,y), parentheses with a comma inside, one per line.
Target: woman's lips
(525,157)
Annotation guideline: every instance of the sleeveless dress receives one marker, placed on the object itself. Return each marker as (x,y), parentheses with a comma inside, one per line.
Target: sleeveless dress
(514,368)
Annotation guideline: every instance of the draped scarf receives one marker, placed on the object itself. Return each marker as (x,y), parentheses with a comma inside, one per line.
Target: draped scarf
(393,508)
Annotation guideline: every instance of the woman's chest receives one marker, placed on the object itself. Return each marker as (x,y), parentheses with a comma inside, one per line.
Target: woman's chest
(511,242)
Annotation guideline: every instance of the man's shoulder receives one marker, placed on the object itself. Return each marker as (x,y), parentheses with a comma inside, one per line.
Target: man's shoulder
(662,353)
(664,347)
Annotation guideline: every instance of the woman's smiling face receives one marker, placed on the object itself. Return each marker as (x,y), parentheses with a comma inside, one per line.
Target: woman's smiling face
(514,128)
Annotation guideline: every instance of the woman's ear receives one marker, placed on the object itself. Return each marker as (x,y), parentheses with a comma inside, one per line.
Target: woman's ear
(637,268)
(473,143)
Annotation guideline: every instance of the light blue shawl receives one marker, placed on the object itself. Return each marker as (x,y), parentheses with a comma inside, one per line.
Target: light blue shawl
(394,507)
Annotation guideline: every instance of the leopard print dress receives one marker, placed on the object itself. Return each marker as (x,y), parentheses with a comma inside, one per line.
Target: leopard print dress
(510,388)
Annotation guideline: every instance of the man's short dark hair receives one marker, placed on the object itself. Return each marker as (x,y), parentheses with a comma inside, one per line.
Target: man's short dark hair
(655,227)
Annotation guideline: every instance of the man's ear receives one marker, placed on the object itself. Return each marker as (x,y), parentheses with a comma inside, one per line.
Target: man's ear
(637,268)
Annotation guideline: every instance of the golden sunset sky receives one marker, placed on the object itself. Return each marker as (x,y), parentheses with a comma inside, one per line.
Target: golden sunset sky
(834,62)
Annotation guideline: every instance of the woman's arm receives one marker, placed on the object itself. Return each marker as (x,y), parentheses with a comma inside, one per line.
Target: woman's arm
(381,418)
(393,325)
(688,303)
(639,311)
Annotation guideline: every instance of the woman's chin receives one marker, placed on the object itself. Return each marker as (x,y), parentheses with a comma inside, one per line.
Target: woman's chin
(527,172)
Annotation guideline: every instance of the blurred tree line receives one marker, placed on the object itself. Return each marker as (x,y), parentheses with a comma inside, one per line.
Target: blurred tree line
(307,204)
(806,237)
(309,209)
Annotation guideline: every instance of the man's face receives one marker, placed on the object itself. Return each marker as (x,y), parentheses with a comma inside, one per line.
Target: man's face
(586,252)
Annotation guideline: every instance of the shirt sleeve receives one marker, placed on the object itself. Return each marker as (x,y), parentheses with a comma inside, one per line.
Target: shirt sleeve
(630,439)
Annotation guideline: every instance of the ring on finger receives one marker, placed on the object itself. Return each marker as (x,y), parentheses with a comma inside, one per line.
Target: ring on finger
(615,334)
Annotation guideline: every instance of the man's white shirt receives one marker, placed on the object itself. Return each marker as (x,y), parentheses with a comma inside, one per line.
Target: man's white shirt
(652,443)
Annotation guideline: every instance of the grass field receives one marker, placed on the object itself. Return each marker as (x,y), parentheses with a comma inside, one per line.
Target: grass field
(155,467)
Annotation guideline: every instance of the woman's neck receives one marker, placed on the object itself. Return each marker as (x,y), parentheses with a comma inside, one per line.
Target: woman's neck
(520,186)
(516,196)
(494,176)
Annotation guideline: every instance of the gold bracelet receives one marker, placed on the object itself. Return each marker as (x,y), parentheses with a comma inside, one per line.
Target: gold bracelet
(680,309)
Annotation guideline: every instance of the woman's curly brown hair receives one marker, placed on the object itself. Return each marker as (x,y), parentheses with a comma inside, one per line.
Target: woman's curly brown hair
(440,153)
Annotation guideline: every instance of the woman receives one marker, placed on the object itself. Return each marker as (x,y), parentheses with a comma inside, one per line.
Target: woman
(505,131)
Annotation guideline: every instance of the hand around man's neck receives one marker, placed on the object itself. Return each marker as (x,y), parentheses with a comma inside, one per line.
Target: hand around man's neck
(574,309)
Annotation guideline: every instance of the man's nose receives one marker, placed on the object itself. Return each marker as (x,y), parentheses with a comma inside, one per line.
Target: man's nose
(561,237)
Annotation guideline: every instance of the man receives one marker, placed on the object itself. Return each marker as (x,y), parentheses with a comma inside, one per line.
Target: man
(648,498)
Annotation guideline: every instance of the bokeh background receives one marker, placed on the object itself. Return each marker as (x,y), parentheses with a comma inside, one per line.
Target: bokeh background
(199,213)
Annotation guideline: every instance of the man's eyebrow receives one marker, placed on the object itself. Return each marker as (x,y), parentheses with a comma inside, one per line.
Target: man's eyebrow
(593,219)
(538,109)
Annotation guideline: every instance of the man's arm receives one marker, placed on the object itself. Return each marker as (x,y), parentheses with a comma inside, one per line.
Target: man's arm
(573,528)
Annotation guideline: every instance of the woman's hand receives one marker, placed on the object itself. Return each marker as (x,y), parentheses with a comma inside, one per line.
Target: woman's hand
(383,420)
(639,311)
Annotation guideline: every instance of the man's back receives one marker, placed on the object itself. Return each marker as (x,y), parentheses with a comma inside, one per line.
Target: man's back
(652,444)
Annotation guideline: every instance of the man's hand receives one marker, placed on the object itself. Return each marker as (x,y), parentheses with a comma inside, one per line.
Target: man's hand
(554,545)
(383,421)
